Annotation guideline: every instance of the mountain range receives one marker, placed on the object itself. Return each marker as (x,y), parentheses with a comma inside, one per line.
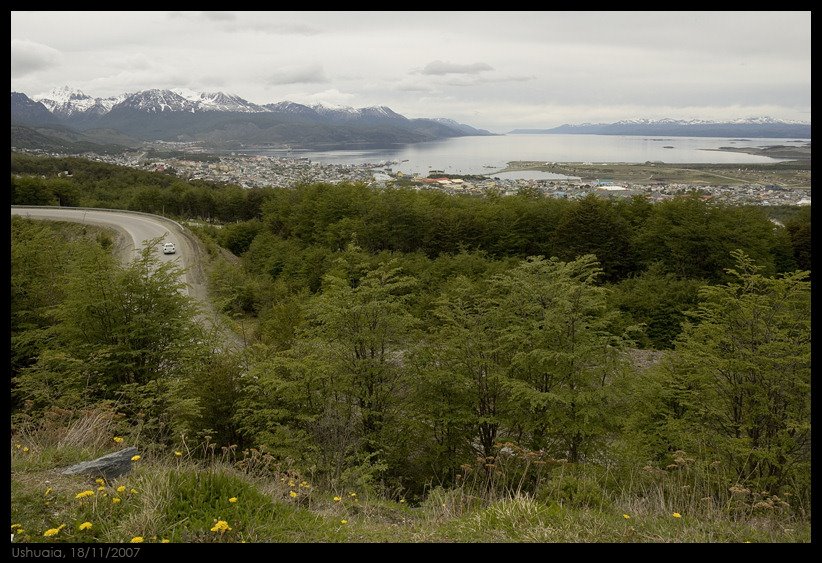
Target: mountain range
(217,120)
(757,127)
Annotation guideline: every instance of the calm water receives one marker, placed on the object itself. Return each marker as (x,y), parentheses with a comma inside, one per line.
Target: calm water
(486,155)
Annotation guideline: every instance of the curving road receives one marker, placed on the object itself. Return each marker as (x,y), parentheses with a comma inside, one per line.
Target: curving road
(135,230)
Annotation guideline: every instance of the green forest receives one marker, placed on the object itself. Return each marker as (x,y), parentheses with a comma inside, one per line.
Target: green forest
(416,366)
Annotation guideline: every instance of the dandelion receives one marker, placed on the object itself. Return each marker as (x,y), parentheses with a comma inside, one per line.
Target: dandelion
(15,526)
(232,499)
(304,485)
(84,494)
(221,526)
(118,440)
(164,540)
(25,449)
(133,491)
(116,500)
(99,481)
(178,454)
(343,521)
(291,483)
(626,516)
(293,494)
(53,531)
(121,489)
(18,446)
(101,488)
(677,515)
(135,458)
(48,490)
(85,526)
(352,494)
(136,539)
(337,499)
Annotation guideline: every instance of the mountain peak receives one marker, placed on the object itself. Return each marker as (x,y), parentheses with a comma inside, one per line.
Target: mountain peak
(62,94)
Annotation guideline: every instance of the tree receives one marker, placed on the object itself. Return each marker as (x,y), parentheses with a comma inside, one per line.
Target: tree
(554,326)
(741,375)
(592,226)
(799,230)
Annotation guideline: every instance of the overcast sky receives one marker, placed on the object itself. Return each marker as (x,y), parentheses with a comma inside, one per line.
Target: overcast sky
(495,70)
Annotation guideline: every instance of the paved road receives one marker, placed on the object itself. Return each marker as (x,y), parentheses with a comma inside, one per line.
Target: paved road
(137,228)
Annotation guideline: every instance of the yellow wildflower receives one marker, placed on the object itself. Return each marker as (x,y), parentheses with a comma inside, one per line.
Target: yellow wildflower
(291,483)
(85,526)
(100,481)
(232,499)
(18,446)
(137,539)
(101,488)
(178,454)
(343,521)
(626,516)
(293,494)
(47,492)
(121,489)
(221,526)
(352,494)
(164,540)
(118,440)
(133,491)
(15,526)
(84,494)
(53,531)
(116,500)
(135,458)
(337,499)
(25,449)
(677,515)
(402,500)
(304,485)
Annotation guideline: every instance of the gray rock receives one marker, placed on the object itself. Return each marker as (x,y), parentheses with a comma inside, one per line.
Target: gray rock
(109,466)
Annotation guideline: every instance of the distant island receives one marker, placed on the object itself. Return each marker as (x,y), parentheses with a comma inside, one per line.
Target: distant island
(757,127)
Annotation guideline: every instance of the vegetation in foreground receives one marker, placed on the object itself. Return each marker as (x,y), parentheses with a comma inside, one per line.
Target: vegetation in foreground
(460,395)
(207,494)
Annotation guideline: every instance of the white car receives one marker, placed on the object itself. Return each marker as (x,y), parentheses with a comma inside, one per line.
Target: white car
(168,248)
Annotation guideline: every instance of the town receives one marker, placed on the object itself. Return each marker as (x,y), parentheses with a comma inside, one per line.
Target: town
(252,171)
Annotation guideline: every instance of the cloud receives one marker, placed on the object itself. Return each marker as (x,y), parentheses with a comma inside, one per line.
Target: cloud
(438,68)
(272,28)
(311,74)
(219,16)
(28,57)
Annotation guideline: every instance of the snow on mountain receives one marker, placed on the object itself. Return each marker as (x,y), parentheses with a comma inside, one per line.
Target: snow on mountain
(66,102)
(218,101)
(745,120)
(156,101)
(290,107)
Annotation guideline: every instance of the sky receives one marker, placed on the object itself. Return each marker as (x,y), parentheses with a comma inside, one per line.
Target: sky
(494,70)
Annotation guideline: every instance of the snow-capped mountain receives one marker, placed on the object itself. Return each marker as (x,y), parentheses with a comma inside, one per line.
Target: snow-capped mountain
(155,101)
(223,119)
(218,101)
(762,127)
(65,102)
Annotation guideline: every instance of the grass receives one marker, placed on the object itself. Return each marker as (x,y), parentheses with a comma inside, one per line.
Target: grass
(182,498)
